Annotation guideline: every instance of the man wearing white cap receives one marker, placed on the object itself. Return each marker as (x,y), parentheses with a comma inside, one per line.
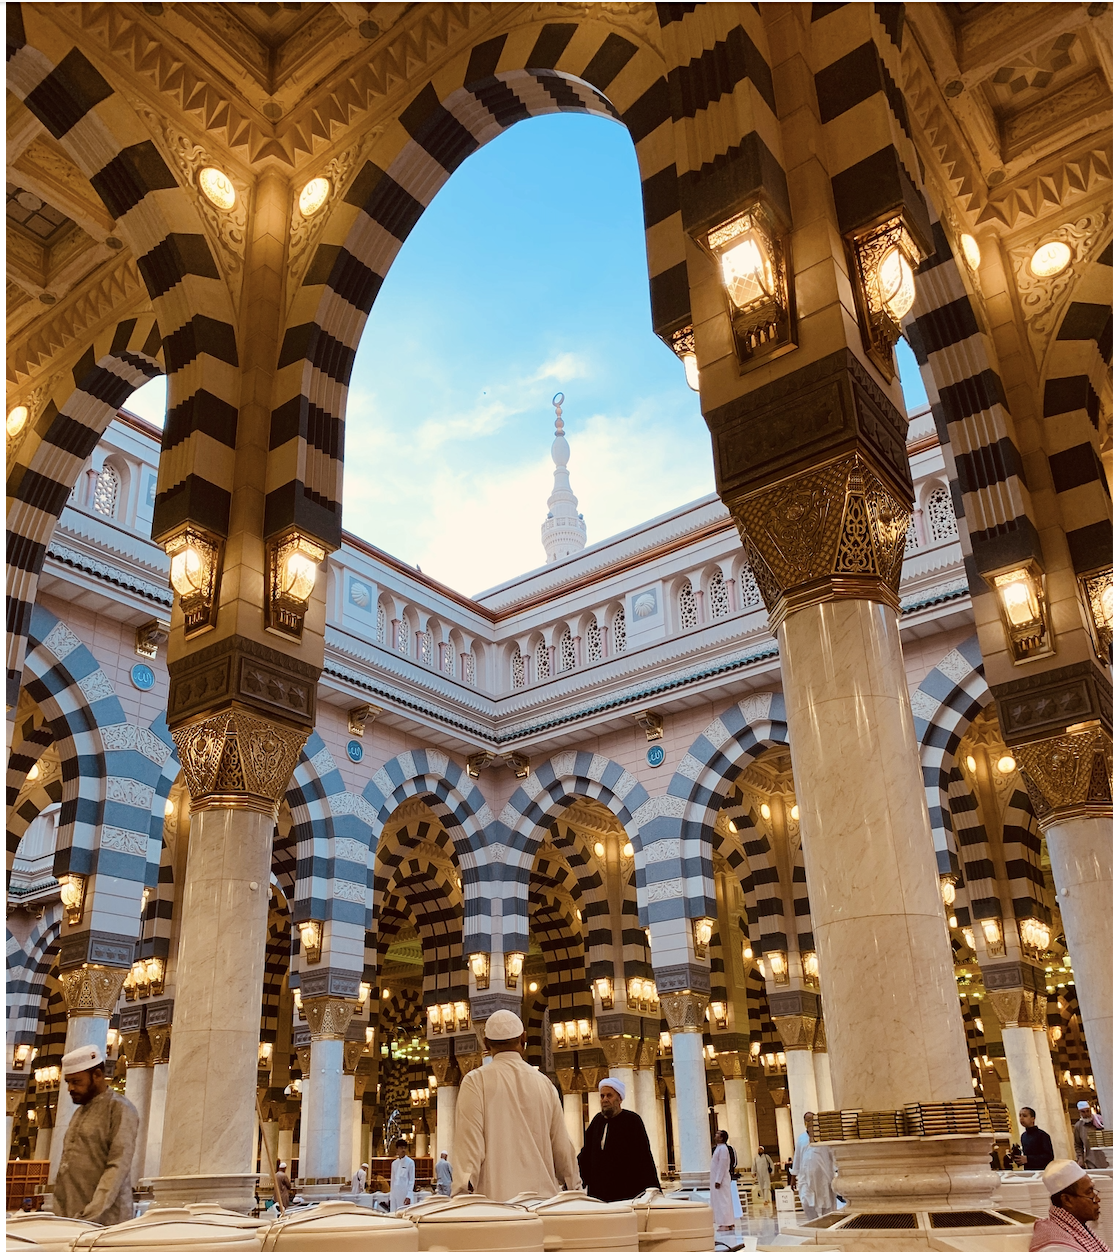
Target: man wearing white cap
(1085,1155)
(94,1176)
(1074,1203)
(510,1127)
(616,1162)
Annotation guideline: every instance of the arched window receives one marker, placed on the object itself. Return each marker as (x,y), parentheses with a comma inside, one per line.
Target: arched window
(381,625)
(719,596)
(426,637)
(619,631)
(450,658)
(941,515)
(687,604)
(749,595)
(518,669)
(568,651)
(469,659)
(911,541)
(541,660)
(595,642)
(404,635)
(106,491)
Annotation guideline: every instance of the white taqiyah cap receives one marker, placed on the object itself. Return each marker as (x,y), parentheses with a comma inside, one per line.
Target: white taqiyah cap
(616,1085)
(1083,1104)
(503,1025)
(83,1058)
(1059,1175)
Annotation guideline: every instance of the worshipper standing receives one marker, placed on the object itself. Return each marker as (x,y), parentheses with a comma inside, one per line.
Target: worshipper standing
(1088,1157)
(285,1186)
(402,1177)
(814,1168)
(1036,1145)
(616,1162)
(359,1180)
(763,1171)
(1074,1203)
(94,1176)
(444,1175)
(726,1209)
(510,1126)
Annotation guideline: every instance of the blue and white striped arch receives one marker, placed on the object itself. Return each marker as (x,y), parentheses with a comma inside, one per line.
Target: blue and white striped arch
(28,965)
(949,699)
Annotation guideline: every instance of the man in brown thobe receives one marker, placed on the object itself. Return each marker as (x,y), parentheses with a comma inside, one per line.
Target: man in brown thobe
(94,1177)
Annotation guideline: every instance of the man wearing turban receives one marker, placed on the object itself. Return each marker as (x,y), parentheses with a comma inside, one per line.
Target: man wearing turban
(616,1162)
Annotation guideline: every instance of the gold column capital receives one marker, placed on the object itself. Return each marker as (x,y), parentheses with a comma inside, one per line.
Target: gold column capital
(328,1017)
(648,1051)
(1068,775)
(820,1043)
(237,759)
(92,990)
(353,1053)
(1040,1012)
(160,1044)
(446,1071)
(834,531)
(797,1031)
(135,1048)
(731,1064)
(621,1051)
(684,1011)
(1012,1007)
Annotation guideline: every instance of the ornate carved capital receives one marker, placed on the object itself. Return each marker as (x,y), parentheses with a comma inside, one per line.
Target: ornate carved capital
(684,1011)
(235,759)
(621,1052)
(328,1017)
(731,1064)
(302,1054)
(798,1032)
(159,1037)
(446,1071)
(92,990)
(1013,1007)
(820,1042)
(466,1064)
(833,532)
(353,1051)
(648,1053)
(1040,1013)
(1068,775)
(135,1048)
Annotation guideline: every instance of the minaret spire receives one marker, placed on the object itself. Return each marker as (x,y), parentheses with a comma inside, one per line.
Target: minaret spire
(563,531)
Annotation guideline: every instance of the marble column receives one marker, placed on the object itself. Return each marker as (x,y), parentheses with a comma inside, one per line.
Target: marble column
(801,1077)
(823,1072)
(137,1088)
(347,1110)
(1057,1125)
(269,1144)
(42,1144)
(446,1118)
(152,1159)
(90,992)
(694,1146)
(738,1127)
(785,1140)
(626,1077)
(752,1122)
(593,1105)
(675,1127)
(1026,1080)
(286,1146)
(574,1118)
(650,1109)
(323,1146)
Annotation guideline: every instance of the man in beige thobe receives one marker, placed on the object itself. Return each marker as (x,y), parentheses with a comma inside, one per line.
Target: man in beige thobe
(94,1176)
(510,1126)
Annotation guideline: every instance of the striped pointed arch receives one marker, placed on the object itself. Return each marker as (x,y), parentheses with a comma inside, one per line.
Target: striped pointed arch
(31,737)
(402,1011)
(29,963)
(682,878)
(462,810)
(1021,848)
(50,1035)
(161,222)
(63,429)
(560,937)
(1076,407)
(948,700)
(276,965)
(156,926)
(762,1028)
(33,797)
(551,788)
(534,69)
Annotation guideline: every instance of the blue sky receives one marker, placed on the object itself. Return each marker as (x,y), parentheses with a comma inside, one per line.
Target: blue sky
(525,276)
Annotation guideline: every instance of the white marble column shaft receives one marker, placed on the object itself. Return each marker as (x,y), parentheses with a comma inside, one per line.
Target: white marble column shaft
(752,1127)
(1079,849)
(675,1127)
(574,1118)
(1026,1079)
(43,1141)
(735,1098)
(695,1150)
(152,1157)
(214,1061)
(79,1031)
(286,1148)
(891,1013)
(785,1140)
(823,1071)
(593,1105)
(446,1119)
(801,1077)
(321,1110)
(651,1110)
(137,1088)
(1057,1124)
(347,1110)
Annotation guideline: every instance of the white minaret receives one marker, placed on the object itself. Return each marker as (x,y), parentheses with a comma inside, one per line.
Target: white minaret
(563,531)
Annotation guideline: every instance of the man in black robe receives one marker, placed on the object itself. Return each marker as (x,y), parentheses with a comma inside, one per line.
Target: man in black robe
(616,1162)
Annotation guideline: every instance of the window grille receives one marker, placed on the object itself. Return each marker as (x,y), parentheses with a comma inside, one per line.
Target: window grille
(106,491)
(426,637)
(381,625)
(719,596)
(568,651)
(941,515)
(595,642)
(911,541)
(749,595)
(687,600)
(619,630)
(404,636)
(541,660)
(469,660)
(518,669)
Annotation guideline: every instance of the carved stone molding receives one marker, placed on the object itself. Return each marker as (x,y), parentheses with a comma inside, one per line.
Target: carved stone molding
(621,1051)
(684,1011)
(1042,705)
(92,990)
(328,1017)
(798,1032)
(235,759)
(1068,775)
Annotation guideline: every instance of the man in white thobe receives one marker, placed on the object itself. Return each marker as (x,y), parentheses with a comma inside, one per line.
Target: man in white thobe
(814,1168)
(763,1172)
(359,1180)
(722,1185)
(510,1125)
(402,1178)
(444,1175)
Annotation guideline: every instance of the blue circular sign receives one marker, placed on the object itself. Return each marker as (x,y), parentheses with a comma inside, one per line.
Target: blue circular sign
(655,756)
(355,750)
(143,677)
